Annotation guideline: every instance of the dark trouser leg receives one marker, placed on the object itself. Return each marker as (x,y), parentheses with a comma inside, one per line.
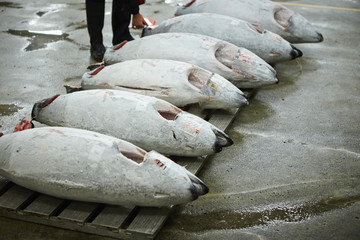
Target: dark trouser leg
(120,20)
(95,22)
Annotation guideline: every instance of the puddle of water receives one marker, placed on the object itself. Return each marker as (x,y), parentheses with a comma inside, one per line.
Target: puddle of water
(39,39)
(245,219)
(8,109)
(10,5)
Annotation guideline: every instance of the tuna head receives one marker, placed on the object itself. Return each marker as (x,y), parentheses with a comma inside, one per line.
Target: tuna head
(215,91)
(295,28)
(171,183)
(193,135)
(251,71)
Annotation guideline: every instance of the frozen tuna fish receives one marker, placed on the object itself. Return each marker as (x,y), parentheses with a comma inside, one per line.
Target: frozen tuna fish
(267,45)
(148,122)
(264,14)
(176,82)
(238,65)
(87,166)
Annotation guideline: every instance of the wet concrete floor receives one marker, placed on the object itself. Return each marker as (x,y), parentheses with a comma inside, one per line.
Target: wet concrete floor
(294,170)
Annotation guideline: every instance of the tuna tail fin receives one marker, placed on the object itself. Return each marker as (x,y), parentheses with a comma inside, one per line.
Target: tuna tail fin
(23,125)
(96,65)
(72,88)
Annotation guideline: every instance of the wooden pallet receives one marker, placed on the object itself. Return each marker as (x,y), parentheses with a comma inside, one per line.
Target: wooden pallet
(106,220)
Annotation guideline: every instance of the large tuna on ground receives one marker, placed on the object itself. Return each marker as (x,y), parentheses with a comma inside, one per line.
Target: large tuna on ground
(87,166)
(148,122)
(238,65)
(176,82)
(267,45)
(264,14)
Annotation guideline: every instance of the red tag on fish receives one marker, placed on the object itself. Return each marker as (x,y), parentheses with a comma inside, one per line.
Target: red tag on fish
(141,2)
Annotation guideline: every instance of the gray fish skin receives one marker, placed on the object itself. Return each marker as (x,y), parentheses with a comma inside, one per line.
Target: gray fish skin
(264,14)
(148,122)
(238,65)
(176,82)
(267,45)
(87,166)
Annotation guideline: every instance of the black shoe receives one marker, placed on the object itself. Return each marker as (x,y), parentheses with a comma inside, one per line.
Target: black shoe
(97,52)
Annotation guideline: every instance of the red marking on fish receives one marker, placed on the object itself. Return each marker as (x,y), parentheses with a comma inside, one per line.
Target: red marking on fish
(97,71)
(244,59)
(57,131)
(120,45)
(191,127)
(275,38)
(50,101)
(190,3)
(103,84)
(147,62)
(108,93)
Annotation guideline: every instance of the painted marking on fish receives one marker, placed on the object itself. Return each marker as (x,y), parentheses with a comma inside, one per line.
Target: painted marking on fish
(275,38)
(160,164)
(189,129)
(106,94)
(148,63)
(104,84)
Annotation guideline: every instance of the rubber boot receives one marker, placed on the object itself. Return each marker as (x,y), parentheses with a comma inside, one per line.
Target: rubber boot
(95,11)
(120,21)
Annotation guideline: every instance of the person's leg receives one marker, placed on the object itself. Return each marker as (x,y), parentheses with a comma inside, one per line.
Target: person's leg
(95,22)
(120,21)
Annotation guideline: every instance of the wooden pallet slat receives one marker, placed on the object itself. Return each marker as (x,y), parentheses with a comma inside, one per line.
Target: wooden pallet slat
(113,217)
(78,212)
(149,221)
(44,205)
(16,197)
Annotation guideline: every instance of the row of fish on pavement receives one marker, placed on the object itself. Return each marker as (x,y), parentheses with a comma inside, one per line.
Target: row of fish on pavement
(106,143)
